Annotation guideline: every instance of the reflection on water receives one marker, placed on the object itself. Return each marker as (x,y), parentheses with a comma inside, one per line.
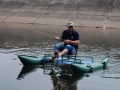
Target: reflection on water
(60,80)
(31,39)
(26,70)
(65,81)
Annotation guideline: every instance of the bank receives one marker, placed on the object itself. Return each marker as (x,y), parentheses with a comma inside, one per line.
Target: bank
(93,13)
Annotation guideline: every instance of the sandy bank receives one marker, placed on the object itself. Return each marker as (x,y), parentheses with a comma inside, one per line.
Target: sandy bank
(94,13)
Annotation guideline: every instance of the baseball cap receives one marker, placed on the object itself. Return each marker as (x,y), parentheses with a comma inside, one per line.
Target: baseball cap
(70,24)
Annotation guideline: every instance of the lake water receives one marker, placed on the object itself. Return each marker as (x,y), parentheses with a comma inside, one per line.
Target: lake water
(30,39)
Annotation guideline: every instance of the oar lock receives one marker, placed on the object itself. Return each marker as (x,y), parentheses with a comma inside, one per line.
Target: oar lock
(90,68)
(104,63)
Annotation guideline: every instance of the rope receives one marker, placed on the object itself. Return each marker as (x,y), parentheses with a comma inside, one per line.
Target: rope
(42,33)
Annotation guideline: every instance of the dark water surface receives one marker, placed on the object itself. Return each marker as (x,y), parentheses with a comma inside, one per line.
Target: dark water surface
(37,40)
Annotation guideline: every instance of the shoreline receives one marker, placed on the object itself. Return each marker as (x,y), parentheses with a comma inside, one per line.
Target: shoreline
(58,25)
(98,14)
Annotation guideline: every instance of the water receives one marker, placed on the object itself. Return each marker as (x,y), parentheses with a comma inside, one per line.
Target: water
(37,40)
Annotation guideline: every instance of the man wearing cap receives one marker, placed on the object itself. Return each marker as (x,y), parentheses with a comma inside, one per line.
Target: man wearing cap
(71,39)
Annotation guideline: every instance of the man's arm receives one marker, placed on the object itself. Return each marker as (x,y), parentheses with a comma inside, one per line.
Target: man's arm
(57,38)
(76,42)
(60,39)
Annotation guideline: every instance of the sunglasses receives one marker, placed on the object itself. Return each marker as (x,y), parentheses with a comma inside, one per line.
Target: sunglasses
(70,26)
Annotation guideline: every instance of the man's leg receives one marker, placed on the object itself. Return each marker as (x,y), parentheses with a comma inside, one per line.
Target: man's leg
(58,48)
(65,51)
(68,50)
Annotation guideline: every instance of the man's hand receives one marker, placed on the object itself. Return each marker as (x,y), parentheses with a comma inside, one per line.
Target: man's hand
(56,38)
(67,41)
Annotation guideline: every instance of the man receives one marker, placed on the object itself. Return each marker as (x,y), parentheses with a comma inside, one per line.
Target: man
(71,39)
